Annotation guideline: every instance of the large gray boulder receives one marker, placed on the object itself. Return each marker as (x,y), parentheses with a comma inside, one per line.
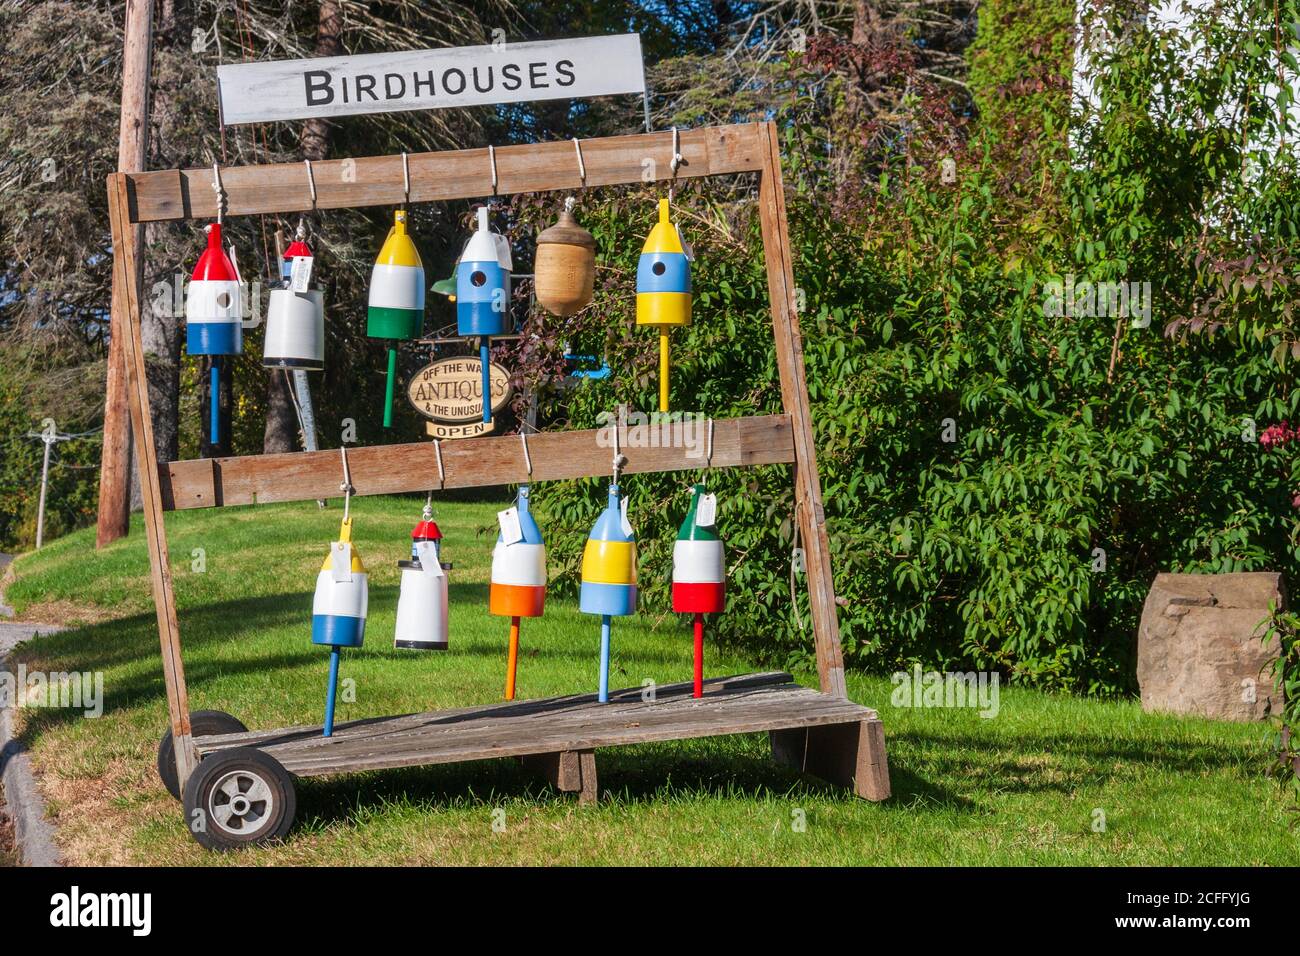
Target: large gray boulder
(1200,647)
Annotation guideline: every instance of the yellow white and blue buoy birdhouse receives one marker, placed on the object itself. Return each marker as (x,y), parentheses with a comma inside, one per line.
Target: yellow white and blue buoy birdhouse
(338,613)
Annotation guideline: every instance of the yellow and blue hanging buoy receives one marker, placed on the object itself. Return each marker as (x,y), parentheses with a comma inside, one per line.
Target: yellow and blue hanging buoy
(609,575)
(396,310)
(663,288)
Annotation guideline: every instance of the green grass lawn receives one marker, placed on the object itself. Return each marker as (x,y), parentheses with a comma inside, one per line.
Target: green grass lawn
(1022,788)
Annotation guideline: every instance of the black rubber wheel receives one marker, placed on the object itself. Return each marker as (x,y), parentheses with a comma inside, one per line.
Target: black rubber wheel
(203,723)
(239,798)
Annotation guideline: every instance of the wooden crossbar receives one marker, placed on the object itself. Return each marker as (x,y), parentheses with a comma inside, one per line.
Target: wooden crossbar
(472,462)
(458,174)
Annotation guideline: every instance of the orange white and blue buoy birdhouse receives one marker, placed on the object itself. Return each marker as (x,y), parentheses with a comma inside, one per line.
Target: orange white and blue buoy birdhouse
(518,577)
(699,578)
(483,295)
(295,320)
(396,310)
(422,603)
(609,575)
(663,288)
(338,613)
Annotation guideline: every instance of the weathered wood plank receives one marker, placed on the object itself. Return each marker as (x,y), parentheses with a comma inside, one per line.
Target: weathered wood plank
(850,755)
(552,728)
(459,174)
(471,462)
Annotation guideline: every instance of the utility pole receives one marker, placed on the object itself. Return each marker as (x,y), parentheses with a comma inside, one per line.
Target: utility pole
(50,435)
(116,459)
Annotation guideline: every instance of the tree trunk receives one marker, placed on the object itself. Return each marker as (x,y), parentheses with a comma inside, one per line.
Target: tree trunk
(281,433)
(160,327)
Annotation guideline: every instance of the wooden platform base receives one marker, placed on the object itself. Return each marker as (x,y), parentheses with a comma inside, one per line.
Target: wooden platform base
(829,737)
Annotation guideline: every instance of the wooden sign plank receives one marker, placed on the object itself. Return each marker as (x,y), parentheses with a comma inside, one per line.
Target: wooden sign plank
(474,462)
(458,174)
(574,68)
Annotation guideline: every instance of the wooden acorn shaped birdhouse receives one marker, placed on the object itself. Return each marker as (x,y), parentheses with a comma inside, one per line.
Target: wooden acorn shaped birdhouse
(295,320)
(338,613)
(663,288)
(396,310)
(518,577)
(564,270)
(609,575)
(483,295)
(699,579)
(422,603)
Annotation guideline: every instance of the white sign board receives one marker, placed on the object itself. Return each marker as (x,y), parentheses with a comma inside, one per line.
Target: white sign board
(430,79)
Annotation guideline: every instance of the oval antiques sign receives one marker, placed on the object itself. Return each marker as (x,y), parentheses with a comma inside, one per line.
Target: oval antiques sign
(450,389)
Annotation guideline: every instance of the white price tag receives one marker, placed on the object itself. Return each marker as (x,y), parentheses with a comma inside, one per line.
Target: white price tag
(426,553)
(627,525)
(300,273)
(706,514)
(341,561)
(511,532)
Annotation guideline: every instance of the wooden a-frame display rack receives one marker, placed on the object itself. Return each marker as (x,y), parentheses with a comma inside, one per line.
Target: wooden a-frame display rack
(822,733)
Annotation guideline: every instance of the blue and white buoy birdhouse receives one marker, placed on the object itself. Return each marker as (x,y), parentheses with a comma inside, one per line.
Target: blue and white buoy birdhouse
(483,295)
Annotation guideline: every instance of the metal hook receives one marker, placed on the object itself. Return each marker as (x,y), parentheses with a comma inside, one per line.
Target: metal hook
(492,158)
(620,460)
(428,507)
(676,161)
(220,190)
(442,476)
(346,486)
(311,183)
(582,167)
(406,180)
(528,460)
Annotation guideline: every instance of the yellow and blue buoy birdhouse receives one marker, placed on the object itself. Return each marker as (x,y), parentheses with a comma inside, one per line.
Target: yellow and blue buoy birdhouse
(396,310)
(609,575)
(338,613)
(295,321)
(663,288)
(422,602)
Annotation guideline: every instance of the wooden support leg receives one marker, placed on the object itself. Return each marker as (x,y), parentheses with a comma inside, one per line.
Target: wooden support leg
(849,755)
(569,771)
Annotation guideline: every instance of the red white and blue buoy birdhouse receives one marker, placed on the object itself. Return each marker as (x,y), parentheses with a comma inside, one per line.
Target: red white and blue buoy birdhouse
(295,321)
(338,613)
(699,578)
(663,288)
(483,295)
(609,575)
(518,579)
(214,302)
(422,603)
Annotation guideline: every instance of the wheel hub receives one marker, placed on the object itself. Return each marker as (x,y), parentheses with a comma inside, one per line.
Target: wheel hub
(241,802)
